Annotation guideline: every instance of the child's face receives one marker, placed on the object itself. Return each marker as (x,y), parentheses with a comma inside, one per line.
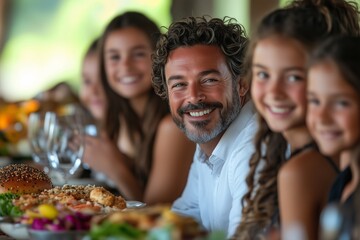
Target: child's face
(279,82)
(127,54)
(91,91)
(333,109)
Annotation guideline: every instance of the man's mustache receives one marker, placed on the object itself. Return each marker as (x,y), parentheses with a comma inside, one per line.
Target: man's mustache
(199,106)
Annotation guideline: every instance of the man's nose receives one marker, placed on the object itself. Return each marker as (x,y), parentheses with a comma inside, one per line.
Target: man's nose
(195,93)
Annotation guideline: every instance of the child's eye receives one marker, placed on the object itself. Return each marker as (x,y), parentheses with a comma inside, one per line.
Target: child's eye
(262,75)
(140,54)
(87,81)
(342,103)
(295,78)
(313,101)
(114,57)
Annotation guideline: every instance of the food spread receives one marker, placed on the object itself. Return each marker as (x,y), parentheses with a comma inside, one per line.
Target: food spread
(89,199)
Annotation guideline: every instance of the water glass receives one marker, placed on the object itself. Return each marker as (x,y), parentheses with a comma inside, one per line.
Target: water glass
(66,145)
(39,124)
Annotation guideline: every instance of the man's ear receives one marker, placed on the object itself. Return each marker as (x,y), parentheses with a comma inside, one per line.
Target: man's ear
(243,88)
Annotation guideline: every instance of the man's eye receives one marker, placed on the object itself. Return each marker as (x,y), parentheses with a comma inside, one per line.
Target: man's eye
(177,85)
(209,80)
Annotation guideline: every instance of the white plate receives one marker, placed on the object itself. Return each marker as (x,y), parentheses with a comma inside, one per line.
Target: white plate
(15,230)
(135,204)
(61,235)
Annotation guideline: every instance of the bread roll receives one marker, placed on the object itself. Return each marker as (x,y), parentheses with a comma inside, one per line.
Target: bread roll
(22,178)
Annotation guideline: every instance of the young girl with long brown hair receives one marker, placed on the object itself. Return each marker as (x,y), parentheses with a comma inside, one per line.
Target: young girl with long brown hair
(144,153)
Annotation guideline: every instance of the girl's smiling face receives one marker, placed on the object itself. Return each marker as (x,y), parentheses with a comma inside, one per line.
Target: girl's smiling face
(279,82)
(333,109)
(127,54)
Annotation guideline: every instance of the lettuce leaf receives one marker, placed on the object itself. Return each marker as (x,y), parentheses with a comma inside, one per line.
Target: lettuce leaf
(7,208)
(122,231)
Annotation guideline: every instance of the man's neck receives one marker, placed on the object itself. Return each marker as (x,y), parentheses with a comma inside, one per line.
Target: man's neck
(209,147)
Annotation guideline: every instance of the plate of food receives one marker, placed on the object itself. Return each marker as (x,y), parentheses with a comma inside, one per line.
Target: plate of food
(155,222)
(56,222)
(29,200)
(15,180)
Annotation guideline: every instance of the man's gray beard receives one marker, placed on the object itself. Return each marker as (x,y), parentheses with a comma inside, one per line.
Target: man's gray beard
(225,120)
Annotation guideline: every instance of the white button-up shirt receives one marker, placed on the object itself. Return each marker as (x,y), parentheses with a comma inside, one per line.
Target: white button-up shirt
(215,186)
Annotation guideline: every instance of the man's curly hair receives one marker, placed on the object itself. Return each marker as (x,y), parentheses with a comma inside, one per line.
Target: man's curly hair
(229,35)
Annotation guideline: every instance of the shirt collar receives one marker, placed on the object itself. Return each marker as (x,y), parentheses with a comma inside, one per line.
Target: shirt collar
(226,144)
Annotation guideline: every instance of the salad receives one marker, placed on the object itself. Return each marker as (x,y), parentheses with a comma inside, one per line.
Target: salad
(48,217)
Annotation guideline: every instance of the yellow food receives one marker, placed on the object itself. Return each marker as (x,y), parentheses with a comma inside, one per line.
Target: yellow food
(48,211)
(31,214)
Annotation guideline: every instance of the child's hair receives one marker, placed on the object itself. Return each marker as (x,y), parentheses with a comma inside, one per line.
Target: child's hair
(93,47)
(308,22)
(344,51)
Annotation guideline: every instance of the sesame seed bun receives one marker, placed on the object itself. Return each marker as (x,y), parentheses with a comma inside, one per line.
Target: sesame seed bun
(22,178)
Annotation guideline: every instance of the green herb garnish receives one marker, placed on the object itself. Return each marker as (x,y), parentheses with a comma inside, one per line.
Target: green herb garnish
(122,231)
(7,207)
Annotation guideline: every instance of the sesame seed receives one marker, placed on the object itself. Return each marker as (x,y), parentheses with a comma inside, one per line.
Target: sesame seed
(22,172)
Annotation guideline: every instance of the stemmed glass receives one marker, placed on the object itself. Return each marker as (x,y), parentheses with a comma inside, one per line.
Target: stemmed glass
(66,144)
(39,124)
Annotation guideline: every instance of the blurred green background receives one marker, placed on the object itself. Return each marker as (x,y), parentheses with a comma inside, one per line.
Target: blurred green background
(48,38)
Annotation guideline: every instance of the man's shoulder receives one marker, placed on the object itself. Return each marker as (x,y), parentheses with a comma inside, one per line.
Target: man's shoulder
(239,137)
(244,141)
(246,119)
(247,130)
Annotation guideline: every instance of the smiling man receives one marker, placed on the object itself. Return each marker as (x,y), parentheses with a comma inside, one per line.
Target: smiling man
(199,68)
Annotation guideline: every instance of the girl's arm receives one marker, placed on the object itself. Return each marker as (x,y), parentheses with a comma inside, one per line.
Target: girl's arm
(173,154)
(102,155)
(299,197)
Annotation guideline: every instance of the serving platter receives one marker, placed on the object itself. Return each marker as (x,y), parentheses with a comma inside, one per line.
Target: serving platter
(15,230)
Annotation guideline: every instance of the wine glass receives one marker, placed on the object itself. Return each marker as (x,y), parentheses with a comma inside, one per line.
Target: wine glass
(39,124)
(66,145)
